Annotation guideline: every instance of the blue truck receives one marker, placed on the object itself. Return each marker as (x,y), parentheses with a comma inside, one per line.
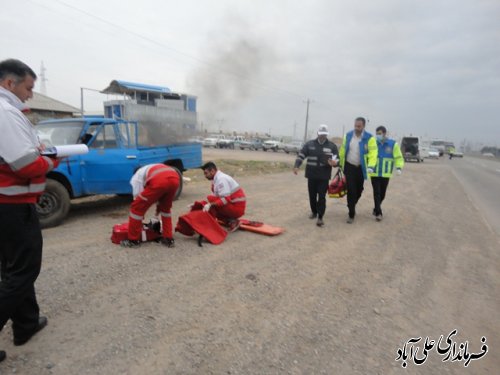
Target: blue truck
(114,154)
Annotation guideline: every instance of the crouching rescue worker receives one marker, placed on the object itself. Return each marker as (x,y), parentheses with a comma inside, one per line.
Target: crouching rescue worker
(227,201)
(153,183)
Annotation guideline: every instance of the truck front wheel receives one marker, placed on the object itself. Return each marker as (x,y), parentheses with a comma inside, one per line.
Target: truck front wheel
(53,206)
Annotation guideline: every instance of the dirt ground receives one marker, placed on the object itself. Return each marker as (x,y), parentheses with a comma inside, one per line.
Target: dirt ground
(334,300)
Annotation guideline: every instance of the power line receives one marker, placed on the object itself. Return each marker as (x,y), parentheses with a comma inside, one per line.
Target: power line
(181,53)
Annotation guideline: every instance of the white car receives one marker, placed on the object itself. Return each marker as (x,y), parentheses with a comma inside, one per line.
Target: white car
(433,153)
(272,145)
(212,140)
(294,146)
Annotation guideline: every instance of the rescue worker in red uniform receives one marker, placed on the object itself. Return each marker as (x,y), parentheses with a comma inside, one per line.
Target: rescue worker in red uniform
(22,181)
(153,183)
(227,201)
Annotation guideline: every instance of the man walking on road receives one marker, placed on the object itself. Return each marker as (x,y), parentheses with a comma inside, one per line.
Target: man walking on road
(22,181)
(389,157)
(321,155)
(153,183)
(358,158)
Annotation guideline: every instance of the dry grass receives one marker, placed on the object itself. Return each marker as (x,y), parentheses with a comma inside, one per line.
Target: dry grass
(237,168)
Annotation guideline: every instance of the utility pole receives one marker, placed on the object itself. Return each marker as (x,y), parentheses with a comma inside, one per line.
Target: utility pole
(294,130)
(307,119)
(43,79)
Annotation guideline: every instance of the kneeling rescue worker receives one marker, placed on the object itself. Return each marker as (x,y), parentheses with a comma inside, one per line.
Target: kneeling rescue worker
(228,201)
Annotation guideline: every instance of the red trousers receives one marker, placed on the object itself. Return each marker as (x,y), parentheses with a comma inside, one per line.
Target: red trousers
(160,188)
(228,211)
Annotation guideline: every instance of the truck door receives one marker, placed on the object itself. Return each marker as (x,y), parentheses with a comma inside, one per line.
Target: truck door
(110,163)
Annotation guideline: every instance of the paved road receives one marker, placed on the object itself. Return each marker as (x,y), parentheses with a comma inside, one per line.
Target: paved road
(481,180)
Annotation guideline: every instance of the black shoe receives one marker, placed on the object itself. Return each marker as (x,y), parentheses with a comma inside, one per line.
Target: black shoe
(130,243)
(168,242)
(350,220)
(320,222)
(21,340)
(3,355)
(313,216)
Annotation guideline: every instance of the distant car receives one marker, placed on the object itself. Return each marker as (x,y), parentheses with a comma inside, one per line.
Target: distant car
(272,145)
(231,142)
(196,140)
(253,144)
(458,154)
(212,140)
(294,146)
(488,155)
(433,153)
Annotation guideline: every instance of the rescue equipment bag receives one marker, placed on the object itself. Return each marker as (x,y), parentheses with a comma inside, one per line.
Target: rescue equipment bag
(338,185)
(151,231)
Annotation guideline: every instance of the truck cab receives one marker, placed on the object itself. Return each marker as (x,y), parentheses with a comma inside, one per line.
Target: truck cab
(114,155)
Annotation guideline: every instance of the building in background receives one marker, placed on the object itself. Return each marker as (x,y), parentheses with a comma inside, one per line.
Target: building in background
(164,116)
(43,107)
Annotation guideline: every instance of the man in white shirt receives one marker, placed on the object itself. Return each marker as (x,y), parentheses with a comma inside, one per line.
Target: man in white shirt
(153,183)
(358,158)
(227,201)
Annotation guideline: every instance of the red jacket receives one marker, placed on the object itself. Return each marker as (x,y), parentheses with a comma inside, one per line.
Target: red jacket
(22,168)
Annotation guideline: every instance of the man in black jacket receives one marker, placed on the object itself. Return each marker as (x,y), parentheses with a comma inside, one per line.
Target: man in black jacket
(321,156)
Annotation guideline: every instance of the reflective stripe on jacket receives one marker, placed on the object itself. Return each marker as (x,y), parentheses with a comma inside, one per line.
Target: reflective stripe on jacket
(367,150)
(22,168)
(389,157)
(317,156)
(226,190)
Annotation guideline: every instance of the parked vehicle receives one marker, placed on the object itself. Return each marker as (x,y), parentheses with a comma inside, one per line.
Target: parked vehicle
(253,144)
(433,153)
(439,145)
(294,146)
(272,145)
(410,149)
(196,140)
(114,155)
(230,142)
(212,140)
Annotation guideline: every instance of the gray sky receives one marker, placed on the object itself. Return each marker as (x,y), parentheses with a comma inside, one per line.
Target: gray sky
(428,68)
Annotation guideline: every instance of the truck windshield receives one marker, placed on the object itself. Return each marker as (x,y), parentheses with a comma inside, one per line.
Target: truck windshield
(59,133)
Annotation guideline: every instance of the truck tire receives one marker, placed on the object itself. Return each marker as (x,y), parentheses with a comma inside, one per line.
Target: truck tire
(53,206)
(264,149)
